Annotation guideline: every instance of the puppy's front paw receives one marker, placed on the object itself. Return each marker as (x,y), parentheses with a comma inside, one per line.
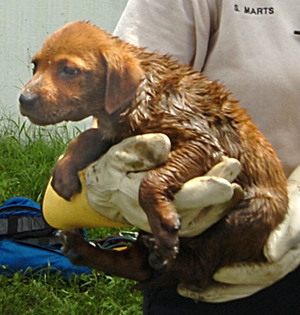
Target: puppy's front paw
(75,248)
(65,180)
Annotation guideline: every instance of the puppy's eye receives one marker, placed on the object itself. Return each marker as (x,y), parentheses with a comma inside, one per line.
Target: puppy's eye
(70,71)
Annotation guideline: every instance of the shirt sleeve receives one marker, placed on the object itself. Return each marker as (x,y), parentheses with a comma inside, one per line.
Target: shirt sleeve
(180,28)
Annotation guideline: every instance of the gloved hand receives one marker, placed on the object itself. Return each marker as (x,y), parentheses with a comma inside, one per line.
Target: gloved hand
(112,185)
(282,251)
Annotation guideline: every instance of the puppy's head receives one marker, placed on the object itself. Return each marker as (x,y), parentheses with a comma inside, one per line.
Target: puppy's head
(80,71)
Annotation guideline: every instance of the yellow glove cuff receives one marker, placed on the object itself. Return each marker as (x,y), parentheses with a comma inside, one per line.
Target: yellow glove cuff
(62,214)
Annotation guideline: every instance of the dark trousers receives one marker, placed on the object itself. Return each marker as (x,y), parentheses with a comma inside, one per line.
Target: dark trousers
(281,298)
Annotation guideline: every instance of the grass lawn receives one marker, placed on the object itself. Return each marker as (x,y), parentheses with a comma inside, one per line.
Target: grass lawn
(27,156)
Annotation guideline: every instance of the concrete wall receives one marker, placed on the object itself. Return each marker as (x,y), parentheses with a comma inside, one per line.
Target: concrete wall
(25,24)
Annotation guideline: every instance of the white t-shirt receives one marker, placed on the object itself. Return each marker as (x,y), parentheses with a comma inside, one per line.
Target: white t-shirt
(247,45)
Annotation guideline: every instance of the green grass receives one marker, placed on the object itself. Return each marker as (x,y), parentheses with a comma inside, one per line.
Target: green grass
(27,157)
(93,294)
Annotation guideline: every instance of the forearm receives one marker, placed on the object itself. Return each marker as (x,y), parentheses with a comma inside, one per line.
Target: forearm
(87,148)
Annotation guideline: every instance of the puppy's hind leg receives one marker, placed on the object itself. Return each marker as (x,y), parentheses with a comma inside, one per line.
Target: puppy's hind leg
(156,194)
(163,219)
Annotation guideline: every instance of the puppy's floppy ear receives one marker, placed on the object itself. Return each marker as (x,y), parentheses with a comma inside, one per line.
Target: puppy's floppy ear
(123,76)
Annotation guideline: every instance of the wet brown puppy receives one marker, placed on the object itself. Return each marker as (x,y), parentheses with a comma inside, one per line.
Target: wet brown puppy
(83,71)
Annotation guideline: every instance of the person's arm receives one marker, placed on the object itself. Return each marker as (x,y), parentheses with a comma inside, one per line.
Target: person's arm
(121,170)
(282,252)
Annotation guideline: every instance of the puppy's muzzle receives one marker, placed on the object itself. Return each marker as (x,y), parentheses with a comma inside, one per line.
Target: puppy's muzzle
(28,102)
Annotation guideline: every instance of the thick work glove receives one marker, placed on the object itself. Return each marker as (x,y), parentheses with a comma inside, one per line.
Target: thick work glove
(112,185)
(282,252)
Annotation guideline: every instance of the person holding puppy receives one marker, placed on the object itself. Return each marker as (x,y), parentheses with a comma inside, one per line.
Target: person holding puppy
(239,43)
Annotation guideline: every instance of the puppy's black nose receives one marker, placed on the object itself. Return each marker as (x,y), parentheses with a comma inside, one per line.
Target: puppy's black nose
(27,100)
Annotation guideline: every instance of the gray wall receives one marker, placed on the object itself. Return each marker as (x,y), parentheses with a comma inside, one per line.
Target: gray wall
(25,24)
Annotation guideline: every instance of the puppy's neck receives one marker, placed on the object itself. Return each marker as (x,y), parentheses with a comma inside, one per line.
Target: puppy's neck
(114,127)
